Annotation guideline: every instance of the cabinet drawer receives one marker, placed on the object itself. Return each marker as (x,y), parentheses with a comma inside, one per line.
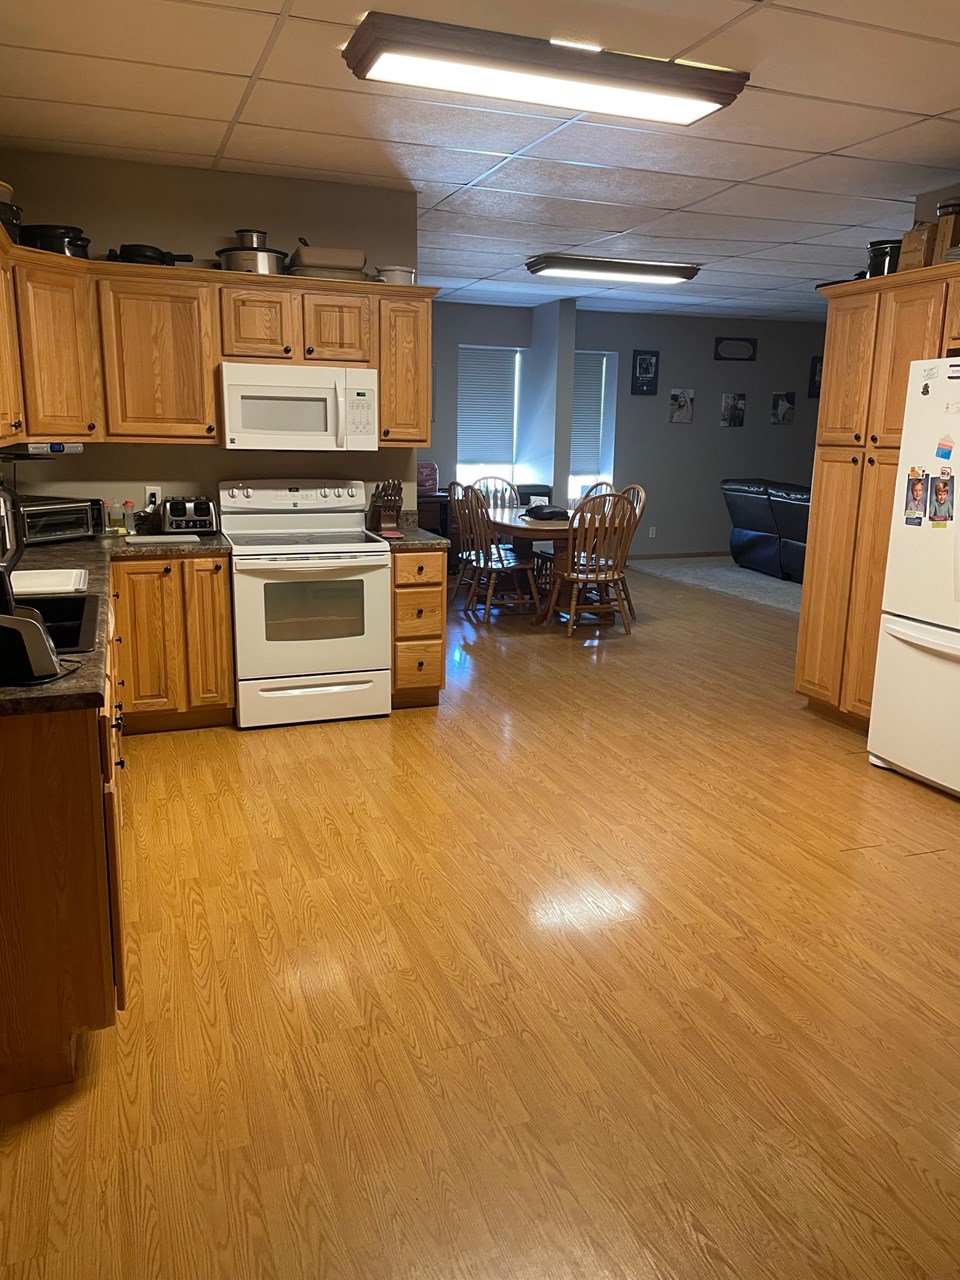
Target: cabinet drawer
(418,664)
(418,613)
(418,570)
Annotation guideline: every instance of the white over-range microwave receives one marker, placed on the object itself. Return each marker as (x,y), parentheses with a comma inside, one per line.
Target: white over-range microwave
(318,407)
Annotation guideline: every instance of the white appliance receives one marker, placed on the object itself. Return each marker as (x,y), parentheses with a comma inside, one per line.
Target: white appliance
(275,406)
(311,601)
(914,727)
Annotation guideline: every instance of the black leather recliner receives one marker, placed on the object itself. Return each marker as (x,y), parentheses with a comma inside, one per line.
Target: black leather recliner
(769,520)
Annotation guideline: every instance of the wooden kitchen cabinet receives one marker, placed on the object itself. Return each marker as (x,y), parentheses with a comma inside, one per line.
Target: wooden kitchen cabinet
(11,388)
(405,372)
(175,625)
(60,352)
(878,487)
(338,328)
(419,627)
(847,370)
(160,357)
(261,322)
(828,572)
(950,342)
(910,327)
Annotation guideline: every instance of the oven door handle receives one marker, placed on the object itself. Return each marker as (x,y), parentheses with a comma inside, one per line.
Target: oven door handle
(356,566)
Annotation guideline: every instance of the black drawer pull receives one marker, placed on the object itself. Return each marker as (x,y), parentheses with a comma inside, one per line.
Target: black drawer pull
(310,351)
(419,613)
(871,462)
(855,461)
(419,568)
(91,426)
(118,724)
(420,665)
(287,350)
(210,429)
(121,763)
(167,569)
(857,437)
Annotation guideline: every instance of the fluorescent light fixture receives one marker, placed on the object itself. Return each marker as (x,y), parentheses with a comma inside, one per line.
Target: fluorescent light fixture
(611,270)
(491,64)
(576,44)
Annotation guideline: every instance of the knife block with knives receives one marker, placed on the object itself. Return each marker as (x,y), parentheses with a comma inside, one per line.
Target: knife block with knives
(385,506)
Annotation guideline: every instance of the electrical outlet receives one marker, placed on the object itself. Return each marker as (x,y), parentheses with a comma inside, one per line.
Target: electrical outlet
(653,531)
(152,493)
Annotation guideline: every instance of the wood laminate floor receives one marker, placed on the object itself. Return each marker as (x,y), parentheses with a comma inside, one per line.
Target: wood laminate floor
(620,966)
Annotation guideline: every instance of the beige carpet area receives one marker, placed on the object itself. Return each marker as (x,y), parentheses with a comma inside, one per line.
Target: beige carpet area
(719,573)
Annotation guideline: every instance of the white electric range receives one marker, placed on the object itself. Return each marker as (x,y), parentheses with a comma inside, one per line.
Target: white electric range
(311,601)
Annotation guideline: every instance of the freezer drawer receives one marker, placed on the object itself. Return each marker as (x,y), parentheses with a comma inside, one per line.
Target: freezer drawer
(913,722)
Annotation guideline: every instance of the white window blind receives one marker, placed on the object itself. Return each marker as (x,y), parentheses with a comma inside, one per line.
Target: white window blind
(486,404)
(589,375)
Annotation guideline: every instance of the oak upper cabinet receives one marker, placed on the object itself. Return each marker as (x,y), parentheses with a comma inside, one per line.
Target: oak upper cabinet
(209,630)
(828,572)
(950,343)
(261,322)
(159,359)
(878,485)
(404,372)
(847,367)
(11,390)
(910,327)
(60,352)
(150,634)
(339,328)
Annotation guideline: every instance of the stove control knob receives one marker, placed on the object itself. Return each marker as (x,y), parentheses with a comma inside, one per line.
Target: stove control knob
(351,493)
(231,493)
(338,493)
(248,493)
(324,493)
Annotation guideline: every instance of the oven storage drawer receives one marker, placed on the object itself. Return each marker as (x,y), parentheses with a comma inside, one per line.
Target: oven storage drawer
(301,699)
(418,664)
(425,569)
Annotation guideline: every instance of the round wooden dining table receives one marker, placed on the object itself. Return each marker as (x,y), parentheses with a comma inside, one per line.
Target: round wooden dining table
(513,526)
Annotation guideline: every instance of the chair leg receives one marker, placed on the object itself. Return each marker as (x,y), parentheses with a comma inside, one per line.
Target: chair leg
(459,582)
(551,608)
(491,583)
(619,590)
(626,592)
(474,589)
(572,616)
(531,578)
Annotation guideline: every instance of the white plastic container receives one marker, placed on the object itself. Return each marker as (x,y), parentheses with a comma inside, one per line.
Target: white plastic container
(397,275)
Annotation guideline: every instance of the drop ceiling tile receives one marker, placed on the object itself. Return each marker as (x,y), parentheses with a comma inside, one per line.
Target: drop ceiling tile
(315,175)
(761,201)
(669,249)
(767,118)
(430,194)
(487,202)
(745,279)
(364,115)
(262,6)
(847,175)
(814,56)
(765,267)
(134,154)
(428,240)
(931,142)
(483,263)
(920,16)
(175,35)
(478,297)
(494,228)
(614,186)
(849,237)
(716,226)
(356,155)
(106,82)
(661,31)
(662,152)
(108,126)
(822,255)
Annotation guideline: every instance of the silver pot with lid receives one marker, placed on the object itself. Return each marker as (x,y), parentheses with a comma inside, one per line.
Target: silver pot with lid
(252,255)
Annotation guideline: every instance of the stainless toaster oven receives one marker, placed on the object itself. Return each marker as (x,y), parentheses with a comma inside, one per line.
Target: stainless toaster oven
(45,518)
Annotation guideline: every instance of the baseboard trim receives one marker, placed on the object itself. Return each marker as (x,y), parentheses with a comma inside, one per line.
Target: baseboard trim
(681,555)
(164,721)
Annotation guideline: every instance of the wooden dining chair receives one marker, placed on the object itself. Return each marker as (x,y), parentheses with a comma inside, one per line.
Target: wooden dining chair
(497,493)
(602,486)
(467,556)
(492,559)
(638,496)
(601,530)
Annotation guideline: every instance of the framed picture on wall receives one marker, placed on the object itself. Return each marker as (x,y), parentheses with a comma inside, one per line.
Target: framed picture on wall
(816,376)
(735,348)
(645,373)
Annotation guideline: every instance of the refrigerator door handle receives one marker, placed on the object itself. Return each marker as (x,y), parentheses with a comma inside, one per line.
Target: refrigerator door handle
(926,638)
(956,562)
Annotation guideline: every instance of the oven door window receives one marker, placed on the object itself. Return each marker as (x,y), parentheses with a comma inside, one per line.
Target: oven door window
(313,610)
(61,523)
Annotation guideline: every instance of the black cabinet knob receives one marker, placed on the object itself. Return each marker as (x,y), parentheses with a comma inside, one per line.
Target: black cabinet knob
(420,665)
(116,595)
(874,439)
(857,437)
(210,429)
(310,351)
(419,613)
(217,568)
(91,426)
(419,568)
(167,569)
(18,425)
(287,350)
(386,431)
(871,462)
(855,460)
(118,706)
(118,640)
(118,724)
(121,684)
(121,763)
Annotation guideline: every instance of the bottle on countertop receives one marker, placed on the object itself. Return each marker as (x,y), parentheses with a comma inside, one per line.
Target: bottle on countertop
(116,515)
(129,523)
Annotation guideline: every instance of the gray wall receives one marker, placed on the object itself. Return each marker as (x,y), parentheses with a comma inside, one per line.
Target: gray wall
(197,210)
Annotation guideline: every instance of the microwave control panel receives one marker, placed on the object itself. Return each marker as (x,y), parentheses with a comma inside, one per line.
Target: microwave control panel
(361,411)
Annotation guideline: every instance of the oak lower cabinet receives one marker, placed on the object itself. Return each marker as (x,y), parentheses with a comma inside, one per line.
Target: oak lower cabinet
(160,356)
(405,372)
(11,387)
(175,640)
(419,627)
(60,352)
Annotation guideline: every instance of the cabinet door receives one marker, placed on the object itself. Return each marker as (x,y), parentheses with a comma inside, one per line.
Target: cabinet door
(11,393)
(150,634)
(910,328)
(114,833)
(404,372)
(869,567)
(847,366)
(209,625)
(950,345)
(260,322)
(158,352)
(338,327)
(828,572)
(60,351)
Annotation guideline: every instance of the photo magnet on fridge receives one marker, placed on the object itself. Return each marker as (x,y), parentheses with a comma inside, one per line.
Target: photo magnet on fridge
(915,506)
(941,500)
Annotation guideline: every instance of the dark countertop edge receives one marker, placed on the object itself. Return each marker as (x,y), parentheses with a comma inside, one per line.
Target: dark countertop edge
(419,540)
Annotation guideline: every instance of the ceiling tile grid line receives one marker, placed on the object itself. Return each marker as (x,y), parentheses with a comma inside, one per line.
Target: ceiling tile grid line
(251,84)
(939,38)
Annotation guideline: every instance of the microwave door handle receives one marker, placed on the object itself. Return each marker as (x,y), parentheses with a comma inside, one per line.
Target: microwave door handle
(340,392)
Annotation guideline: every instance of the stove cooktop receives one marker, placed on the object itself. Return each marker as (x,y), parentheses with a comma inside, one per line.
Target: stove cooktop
(300,538)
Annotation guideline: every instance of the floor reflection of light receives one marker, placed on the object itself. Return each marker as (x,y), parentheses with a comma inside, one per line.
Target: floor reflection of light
(587,907)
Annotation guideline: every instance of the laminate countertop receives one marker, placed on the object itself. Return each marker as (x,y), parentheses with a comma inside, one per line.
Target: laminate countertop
(81,684)
(419,540)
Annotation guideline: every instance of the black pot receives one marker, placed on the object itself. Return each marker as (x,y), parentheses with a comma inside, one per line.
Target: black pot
(10,220)
(884,257)
(53,239)
(147,255)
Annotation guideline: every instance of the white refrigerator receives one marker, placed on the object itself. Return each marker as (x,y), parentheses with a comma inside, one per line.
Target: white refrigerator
(914,720)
